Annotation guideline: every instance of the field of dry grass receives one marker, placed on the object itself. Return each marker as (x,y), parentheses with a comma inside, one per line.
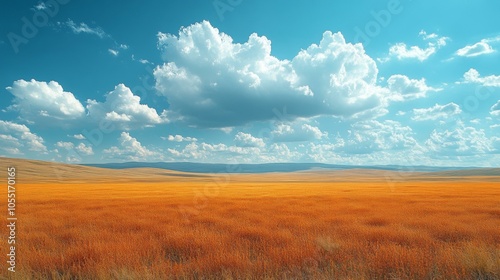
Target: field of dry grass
(253,227)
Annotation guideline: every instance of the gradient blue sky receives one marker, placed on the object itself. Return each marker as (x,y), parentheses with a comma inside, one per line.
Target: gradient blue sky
(359,82)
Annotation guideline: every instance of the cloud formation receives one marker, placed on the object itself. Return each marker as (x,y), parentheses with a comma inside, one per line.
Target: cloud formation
(404,88)
(16,138)
(81,148)
(473,76)
(477,49)
(402,51)
(180,138)
(48,103)
(297,132)
(124,109)
(436,112)
(113,52)
(132,150)
(210,81)
(40,100)
(247,140)
(461,141)
(83,28)
(495,109)
(373,136)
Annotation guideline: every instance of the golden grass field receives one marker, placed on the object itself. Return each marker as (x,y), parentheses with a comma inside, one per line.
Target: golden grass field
(88,223)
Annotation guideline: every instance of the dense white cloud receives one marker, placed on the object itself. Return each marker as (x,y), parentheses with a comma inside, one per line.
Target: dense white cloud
(297,132)
(247,140)
(473,76)
(36,101)
(402,51)
(48,103)
(18,138)
(404,88)
(479,48)
(124,108)
(211,81)
(131,149)
(436,112)
(78,136)
(180,138)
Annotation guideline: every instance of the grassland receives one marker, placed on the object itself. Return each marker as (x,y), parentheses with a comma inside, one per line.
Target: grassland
(164,225)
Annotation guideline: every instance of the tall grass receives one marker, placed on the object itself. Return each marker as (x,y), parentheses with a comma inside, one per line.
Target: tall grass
(259,230)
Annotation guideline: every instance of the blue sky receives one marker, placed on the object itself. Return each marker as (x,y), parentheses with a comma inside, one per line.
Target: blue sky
(361,82)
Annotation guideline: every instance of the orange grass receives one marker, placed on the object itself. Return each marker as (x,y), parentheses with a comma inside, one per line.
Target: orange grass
(258,230)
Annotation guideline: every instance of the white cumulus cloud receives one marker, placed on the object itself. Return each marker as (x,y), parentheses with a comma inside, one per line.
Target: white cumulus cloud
(247,140)
(16,138)
(473,76)
(84,149)
(211,81)
(180,138)
(131,149)
(404,88)
(40,100)
(124,108)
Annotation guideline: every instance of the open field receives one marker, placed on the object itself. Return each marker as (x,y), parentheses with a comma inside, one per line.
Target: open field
(89,223)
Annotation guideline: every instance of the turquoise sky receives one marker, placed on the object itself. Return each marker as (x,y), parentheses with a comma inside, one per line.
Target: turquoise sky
(359,82)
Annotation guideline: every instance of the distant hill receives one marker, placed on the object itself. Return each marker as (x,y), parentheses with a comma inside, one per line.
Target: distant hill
(43,171)
(266,167)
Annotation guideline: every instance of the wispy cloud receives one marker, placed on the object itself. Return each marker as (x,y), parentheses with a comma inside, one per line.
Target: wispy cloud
(402,51)
(40,6)
(480,48)
(143,61)
(113,52)
(477,49)
(84,28)
(436,112)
